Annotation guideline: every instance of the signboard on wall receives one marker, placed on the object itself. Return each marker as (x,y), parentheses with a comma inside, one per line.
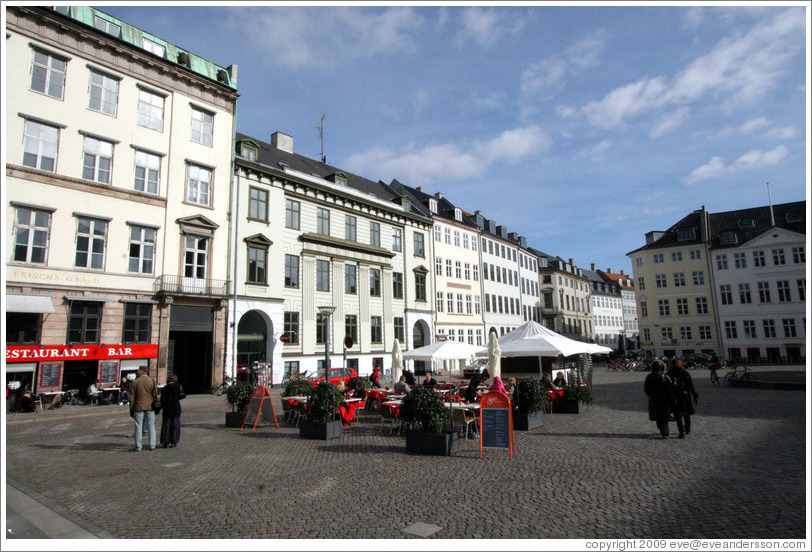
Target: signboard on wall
(45,353)
(50,376)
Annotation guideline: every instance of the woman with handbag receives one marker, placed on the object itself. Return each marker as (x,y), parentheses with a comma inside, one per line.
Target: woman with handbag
(171,395)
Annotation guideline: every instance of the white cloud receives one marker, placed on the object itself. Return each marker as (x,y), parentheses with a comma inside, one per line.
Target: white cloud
(486,27)
(751,160)
(598,152)
(449,161)
(308,37)
(669,122)
(781,133)
(740,70)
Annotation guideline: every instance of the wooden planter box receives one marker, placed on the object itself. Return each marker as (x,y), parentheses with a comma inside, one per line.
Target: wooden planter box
(234,419)
(570,406)
(524,422)
(319,430)
(439,444)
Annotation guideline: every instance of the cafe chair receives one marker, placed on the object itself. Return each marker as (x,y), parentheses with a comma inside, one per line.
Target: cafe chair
(388,413)
(463,416)
(74,396)
(287,411)
(38,403)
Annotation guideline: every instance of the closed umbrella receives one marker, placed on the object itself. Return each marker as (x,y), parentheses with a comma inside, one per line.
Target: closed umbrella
(397,361)
(494,356)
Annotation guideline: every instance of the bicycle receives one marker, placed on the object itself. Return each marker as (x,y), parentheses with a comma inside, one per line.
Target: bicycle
(714,376)
(223,387)
(736,379)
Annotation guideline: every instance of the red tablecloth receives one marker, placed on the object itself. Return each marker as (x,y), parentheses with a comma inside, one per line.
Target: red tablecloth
(347,411)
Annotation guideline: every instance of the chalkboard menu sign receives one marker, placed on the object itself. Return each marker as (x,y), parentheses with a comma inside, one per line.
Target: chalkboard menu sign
(496,428)
(260,408)
(50,375)
(108,371)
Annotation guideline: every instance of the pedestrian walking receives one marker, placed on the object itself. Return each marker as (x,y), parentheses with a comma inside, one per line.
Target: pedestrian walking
(685,395)
(658,390)
(142,393)
(171,395)
(375,377)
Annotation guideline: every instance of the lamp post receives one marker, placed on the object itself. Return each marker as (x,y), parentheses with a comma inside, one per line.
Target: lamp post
(327,312)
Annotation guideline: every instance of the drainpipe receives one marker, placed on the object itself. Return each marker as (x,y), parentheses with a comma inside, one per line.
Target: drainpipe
(234,224)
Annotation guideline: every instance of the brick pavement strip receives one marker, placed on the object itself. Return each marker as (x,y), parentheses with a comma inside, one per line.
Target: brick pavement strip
(600,474)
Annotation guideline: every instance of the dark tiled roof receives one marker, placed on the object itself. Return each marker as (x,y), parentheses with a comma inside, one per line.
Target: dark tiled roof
(445,209)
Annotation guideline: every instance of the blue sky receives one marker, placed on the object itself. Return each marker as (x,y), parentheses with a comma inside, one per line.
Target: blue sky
(581,128)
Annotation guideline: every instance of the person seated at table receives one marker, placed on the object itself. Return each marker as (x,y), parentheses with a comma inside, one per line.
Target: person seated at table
(342,388)
(93,392)
(401,387)
(545,381)
(429,381)
(360,392)
(560,380)
(124,391)
(497,385)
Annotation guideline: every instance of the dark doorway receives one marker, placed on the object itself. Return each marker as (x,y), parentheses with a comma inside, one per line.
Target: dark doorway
(79,374)
(190,357)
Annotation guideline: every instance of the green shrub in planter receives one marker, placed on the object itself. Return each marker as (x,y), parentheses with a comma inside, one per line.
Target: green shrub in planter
(410,381)
(578,393)
(530,396)
(364,382)
(239,395)
(298,388)
(424,407)
(323,401)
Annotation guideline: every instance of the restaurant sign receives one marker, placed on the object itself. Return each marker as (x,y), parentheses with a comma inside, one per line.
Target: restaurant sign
(35,353)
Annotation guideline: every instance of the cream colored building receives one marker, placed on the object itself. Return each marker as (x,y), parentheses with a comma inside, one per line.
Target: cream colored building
(118,171)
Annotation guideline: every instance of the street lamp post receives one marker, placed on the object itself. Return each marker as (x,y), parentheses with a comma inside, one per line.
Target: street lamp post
(327,312)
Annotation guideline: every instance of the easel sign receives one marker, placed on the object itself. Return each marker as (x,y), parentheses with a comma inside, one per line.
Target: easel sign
(495,422)
(260,405)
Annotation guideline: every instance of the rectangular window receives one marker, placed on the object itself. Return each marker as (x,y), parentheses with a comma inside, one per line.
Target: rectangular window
(469,305)
(664,307)
(477,305)
(730,329)
(376,329)
(48,74)
(137,323)
(84,321)
(704,333)
(91,238)
(321,328)
(682,306)
(198,186)
(721,262)
(769,328)
(40,145)
(153,47)
(147,172)
(667,333)
(798,255)
(397,239)
(789,327)
(456,238)
(103,93)
(749,328)
(400,329)
(31,233)
(676,256)
(292,214)
(476,273)
(257,264)
(322,275)
(726,294)
(438,266)
(440,296)
(323,221)
(458,270)
(448,268)
(702,305)
(467,271)
(759,258)
(643,308)
(397,285)
(661,281)
(696,254)
(744,294)
(679,279)
(419,250)
(106,26)
(291,367)
(698,277)
(784,295)
(739,260)
(150,110)
(778,257)
(487,302)
(97,160)
(646,334)
(23,328)
(350,279)
(142,249)
(450,298)
(375,282)
(258,204)
(350,228)
(291,271)
(202,127)
(685,333)
(764,292)
(195,257)
(641,283)
(465,241)
(375,234)
(291,327)
(351,327)
(438,233)
(420,287)
(459,303)
(447,235)
(801,289)
(658,258)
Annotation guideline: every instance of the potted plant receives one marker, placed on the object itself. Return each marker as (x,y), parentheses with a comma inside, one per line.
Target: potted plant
(530,400)
(424,409)
(298,388)
(577,399)
(364,382)
(238,396)
(322,421)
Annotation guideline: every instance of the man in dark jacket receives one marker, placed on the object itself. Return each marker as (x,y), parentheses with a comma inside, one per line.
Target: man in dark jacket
(685,396)
(171,395)
(658,390)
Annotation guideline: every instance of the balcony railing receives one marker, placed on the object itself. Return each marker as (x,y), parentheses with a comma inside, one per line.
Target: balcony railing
(171,283)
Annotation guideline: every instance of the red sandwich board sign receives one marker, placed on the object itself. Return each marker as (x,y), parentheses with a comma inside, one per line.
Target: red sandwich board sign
(495,422)
(260,405)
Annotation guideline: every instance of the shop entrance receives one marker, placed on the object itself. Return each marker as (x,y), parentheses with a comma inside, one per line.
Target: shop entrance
(190,347)
(79,374)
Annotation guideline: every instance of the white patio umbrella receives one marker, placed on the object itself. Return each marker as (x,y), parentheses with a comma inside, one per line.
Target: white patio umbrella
(397,361)
(443,350)
(494,356)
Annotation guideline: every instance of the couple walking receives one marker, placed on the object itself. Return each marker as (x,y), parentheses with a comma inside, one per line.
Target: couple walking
(143,396)
(671,396)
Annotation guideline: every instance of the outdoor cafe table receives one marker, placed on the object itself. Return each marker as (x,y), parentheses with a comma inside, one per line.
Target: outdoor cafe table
(108,391)
(472,406)
(54,398)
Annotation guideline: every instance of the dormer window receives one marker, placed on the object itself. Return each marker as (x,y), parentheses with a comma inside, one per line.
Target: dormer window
(106,26)
(338,178)
(458,213)
(746,223)
(154,47)
(249,152)
(433,205)
(685,234)
(728,238)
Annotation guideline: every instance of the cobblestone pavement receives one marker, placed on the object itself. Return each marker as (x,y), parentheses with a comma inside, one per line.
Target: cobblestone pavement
(604,473)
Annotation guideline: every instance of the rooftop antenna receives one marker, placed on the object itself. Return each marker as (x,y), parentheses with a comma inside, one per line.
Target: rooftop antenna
(320,127)
(770,198)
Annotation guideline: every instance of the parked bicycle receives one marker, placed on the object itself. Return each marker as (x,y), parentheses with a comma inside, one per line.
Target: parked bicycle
(736,378)
(223,387)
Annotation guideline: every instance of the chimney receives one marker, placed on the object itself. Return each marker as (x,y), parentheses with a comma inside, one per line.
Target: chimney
(420,189)
(438,195)
(572,262)
(622,273)
(282,142)
(608,270)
